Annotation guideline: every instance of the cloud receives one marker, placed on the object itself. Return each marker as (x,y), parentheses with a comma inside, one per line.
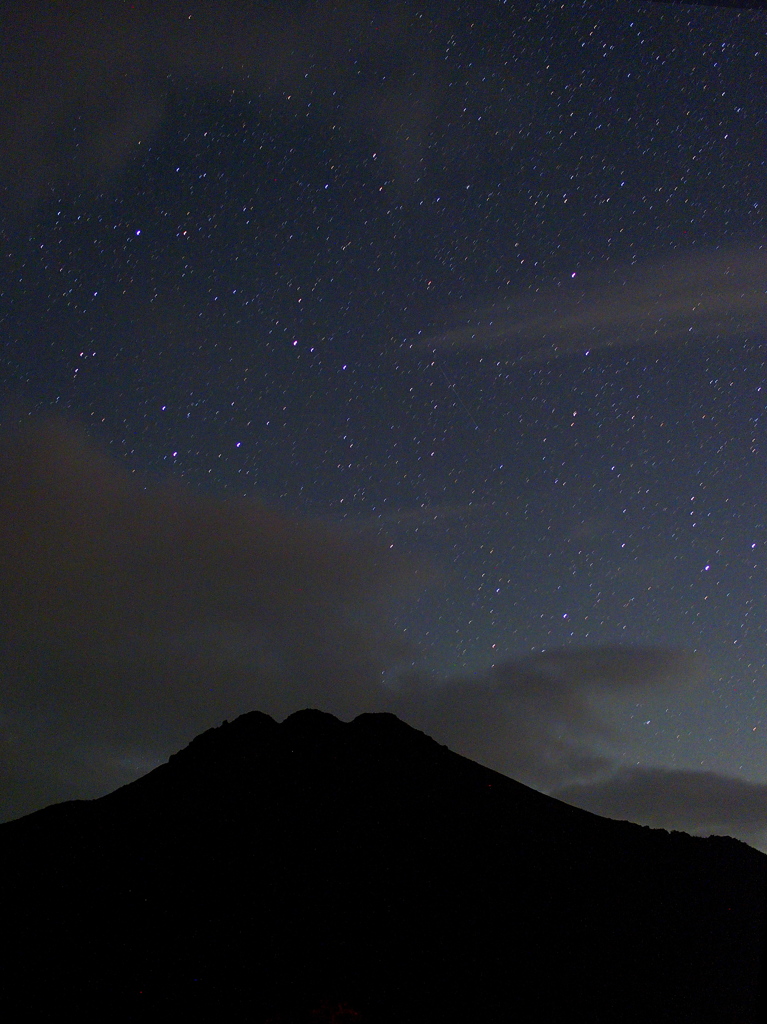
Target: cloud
(685,298)
(533,718)
(134,613)
(699,802)
(84,86)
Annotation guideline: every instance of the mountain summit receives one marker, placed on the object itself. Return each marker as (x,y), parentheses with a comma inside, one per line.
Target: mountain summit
(321,871)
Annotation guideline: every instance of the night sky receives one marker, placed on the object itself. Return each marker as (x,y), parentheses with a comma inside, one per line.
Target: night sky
(400,356)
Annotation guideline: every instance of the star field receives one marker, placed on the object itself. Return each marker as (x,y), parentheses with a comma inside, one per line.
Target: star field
(409,283)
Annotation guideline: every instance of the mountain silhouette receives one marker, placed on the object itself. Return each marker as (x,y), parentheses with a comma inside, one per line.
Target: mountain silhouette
(321,871)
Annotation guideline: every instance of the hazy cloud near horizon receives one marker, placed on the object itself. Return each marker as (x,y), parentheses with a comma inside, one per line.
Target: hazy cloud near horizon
(697,802)
(534,718)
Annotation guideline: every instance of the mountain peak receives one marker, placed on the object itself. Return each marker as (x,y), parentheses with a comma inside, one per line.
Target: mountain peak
(270,869)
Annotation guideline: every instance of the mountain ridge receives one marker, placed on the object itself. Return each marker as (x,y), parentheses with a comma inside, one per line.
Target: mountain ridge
(278,868)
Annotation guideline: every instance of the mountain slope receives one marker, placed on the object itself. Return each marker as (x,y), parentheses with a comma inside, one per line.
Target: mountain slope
(318,871)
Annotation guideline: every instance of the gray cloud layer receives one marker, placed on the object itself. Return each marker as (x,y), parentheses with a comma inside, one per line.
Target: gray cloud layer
(533,718)
(698,802)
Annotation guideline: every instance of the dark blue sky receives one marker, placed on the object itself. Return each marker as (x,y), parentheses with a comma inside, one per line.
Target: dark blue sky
(480,284)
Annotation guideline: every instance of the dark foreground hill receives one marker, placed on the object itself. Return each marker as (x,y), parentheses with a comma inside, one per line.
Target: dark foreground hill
(316,871)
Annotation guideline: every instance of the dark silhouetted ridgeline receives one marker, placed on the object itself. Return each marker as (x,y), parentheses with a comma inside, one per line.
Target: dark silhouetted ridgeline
(361,873)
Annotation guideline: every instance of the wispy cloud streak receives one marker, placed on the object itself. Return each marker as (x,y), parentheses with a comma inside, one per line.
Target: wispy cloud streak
(697,296)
